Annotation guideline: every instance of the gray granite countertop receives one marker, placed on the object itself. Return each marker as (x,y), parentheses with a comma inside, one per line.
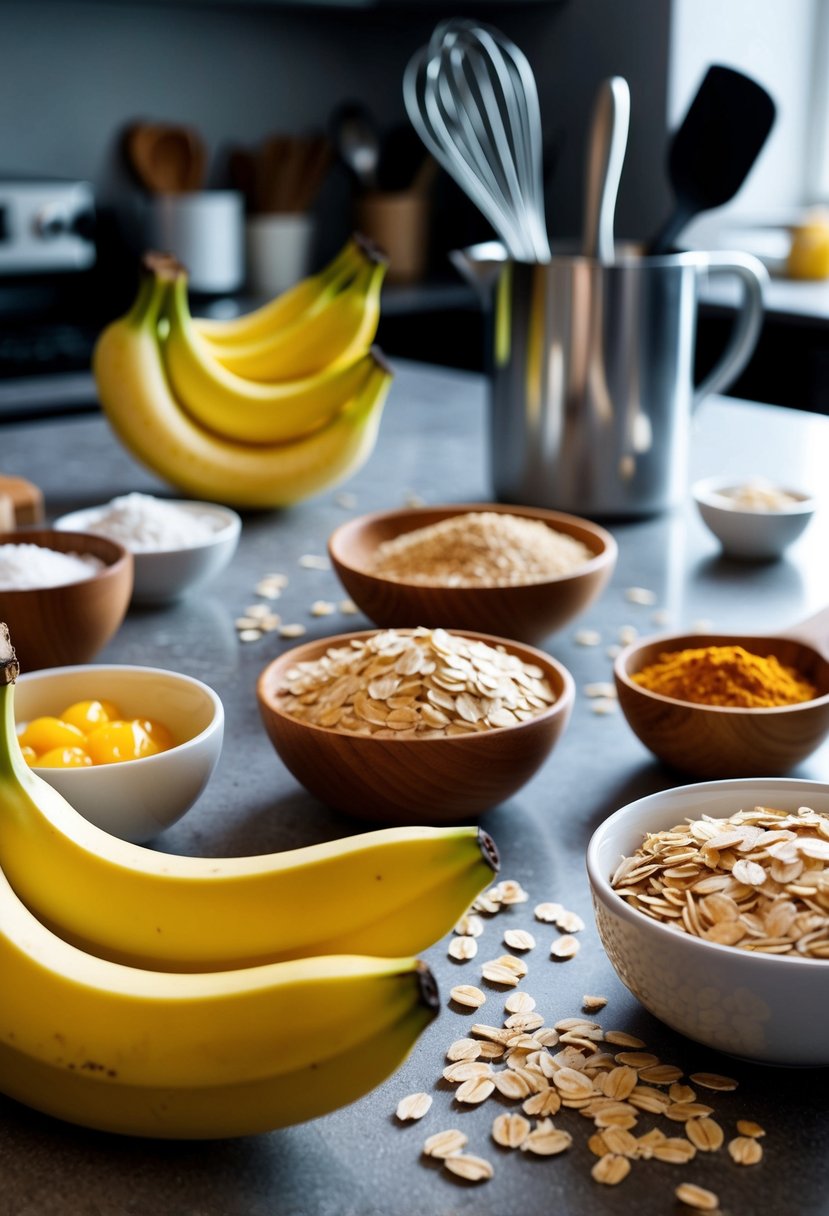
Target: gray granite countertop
(359,1161)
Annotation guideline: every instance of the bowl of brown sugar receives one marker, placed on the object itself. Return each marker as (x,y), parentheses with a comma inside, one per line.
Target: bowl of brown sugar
(516,572)
(725,705)
(414,725)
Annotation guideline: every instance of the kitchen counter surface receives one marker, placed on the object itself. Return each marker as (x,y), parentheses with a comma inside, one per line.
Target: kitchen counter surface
(360,1161)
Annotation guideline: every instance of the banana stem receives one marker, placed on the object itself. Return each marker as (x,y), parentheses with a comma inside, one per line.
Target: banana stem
(9,666)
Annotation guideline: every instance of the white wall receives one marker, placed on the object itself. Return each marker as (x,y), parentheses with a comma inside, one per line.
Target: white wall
(772,41)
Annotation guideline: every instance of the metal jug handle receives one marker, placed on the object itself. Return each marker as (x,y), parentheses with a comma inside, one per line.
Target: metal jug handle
(753,276)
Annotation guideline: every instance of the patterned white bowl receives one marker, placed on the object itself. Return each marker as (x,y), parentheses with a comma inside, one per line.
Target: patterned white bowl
(763,1007)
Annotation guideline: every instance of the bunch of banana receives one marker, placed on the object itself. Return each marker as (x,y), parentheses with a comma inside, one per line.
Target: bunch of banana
(157,995)
(261,411)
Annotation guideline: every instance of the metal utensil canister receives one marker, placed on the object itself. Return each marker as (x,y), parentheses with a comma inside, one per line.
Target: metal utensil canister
(591,373)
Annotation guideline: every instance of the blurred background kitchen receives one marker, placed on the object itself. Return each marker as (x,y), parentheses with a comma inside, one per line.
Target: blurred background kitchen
(251,111)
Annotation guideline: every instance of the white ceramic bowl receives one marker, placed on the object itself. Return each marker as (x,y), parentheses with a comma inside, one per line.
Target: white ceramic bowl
(163,575)
(761,1007)
(135,799)
(751,535)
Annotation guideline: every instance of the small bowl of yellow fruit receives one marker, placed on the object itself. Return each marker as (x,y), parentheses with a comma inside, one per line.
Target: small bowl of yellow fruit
(131,748)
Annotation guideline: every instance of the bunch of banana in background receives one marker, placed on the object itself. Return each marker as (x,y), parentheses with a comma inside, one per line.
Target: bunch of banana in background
(259,411)
(186,997)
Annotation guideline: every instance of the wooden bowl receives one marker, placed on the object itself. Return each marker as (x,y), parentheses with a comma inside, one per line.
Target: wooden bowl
(58,626)
(411,780)
(715,741)
(528,612)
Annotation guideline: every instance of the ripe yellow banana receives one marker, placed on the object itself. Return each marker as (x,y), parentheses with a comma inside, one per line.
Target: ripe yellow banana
(135,395)
(338,331)
(210,1111)
(81,1034)
(389,892)
(287,307)
(244,410)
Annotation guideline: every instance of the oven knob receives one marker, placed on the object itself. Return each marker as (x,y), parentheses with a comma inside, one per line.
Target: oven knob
(50,222)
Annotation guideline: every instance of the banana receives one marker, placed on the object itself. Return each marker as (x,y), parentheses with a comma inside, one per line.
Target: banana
(338,331)
(245,410)
(208,1111)
(387,892)
(104,1035)
(291,304)
(136,397)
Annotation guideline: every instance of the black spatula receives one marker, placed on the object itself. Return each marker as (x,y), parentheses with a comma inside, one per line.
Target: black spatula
(713,150)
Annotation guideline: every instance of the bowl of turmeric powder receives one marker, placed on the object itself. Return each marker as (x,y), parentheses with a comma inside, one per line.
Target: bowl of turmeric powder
(723,705)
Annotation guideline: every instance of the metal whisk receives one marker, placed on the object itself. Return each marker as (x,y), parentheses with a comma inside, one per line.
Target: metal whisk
(472,98)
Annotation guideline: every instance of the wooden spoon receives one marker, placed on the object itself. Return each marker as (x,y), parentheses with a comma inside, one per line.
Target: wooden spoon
(716,741)
(166,159)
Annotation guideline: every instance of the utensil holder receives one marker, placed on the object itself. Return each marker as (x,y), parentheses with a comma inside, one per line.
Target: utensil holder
(399,223)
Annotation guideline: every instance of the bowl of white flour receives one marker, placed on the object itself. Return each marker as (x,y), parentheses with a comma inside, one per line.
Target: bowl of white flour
(178,545)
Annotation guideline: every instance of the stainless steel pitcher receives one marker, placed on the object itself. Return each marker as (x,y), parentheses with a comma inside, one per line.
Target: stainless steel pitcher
(591,373)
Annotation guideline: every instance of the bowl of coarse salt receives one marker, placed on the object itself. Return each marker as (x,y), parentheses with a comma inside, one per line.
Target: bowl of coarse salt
(62,594)
(177,545)
(517,572)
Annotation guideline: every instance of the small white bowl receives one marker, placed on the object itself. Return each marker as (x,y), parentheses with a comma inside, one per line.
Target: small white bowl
(762,1007)
(164,575)
(134,799)
(746,534)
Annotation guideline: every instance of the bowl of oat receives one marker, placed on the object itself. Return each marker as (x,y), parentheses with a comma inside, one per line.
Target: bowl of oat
(753,519)
(414,725)
(712,903)
(518,572)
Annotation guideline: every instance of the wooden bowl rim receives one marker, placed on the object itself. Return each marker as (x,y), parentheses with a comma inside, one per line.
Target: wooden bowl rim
(562,703)
(711,639)
(606,555)
(601,884)
(117,560)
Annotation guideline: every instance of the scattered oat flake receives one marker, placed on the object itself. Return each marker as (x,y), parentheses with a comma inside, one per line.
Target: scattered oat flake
(713,1080)
(640,595)
(511,892)
(610,1169)
(348,607)
(413,1106)
(747,1128)
(613,651)
(545,1140)
(565,947)
(475,1090)
(547,912)
(705,1134)
(745,1150)
(496,973)
(603,706)
(702,625)
(661,617)
(469,925)
(520,1002)
(463,1049)
(510,1130)
(346,500)
(249,635)
(445,1144)
(468,995)
(602,688)
(694,1196)
(322,608)
(291,631)
(593,1003)
(519,939)
(622,1039)
(569,922)
(247,622)
(314,561)
(675,1150)
(587,637)
(463,948)
(628,634)
(465,1165)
